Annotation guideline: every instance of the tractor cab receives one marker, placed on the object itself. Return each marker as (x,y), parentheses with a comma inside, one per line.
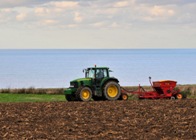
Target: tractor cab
(97,72)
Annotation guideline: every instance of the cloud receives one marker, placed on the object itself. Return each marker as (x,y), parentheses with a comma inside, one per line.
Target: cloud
(21,16)
(98,24)
(49,22)
(64,4)
(11,3)
(72,25)
(23,3)
(7,15)
(77,17)
(157,13)
(15,3)
(107,11)
(121,4)
(115,25)
(161,11)
(6,10)
(41,11)
(165,2)
(97,14)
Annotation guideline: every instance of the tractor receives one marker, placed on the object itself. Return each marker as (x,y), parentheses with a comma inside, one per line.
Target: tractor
(97,85)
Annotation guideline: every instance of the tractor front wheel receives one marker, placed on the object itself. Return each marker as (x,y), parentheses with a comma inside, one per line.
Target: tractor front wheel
(112,91)
(84,94)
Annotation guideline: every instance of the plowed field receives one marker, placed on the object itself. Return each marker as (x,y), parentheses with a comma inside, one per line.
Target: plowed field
(145,119)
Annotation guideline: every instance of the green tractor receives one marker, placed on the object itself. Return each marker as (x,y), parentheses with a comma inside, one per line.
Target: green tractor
(97,84)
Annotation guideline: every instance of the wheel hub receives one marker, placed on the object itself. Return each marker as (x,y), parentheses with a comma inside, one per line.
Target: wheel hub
(112,91)
(85,94)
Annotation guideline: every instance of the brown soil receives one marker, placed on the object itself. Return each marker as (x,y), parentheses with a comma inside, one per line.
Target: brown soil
(145,119)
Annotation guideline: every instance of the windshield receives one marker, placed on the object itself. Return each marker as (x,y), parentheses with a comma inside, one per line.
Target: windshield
(90,73)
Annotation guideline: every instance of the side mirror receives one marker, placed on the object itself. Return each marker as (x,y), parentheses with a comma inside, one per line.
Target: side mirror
(110,71)
(84,70)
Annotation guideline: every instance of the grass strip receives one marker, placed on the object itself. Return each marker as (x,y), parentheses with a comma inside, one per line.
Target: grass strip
(30,98)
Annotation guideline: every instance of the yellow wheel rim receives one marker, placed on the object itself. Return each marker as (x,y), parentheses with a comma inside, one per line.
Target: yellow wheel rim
(179,96)
(112,91)
(85,94)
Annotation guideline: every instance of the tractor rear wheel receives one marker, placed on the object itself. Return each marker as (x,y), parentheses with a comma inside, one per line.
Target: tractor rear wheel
(112,91)
(84,94)
(70,97)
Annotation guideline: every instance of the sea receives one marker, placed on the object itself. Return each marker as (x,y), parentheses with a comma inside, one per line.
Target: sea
(55,68)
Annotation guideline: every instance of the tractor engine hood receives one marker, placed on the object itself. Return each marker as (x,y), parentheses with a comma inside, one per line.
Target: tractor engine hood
(81,80)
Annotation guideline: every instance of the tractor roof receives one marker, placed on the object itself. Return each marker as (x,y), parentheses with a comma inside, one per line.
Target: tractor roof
(98,68)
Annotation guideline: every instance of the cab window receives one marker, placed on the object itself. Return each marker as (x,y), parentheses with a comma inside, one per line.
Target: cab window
(101,73)
(90,73)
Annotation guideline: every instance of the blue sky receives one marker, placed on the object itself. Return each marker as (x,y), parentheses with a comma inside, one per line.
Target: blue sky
(98,24)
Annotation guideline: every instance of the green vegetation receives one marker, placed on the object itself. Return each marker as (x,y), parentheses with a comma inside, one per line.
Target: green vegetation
(33,90)
(30,98)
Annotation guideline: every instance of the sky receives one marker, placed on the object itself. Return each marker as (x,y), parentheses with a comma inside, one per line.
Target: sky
(97,24)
